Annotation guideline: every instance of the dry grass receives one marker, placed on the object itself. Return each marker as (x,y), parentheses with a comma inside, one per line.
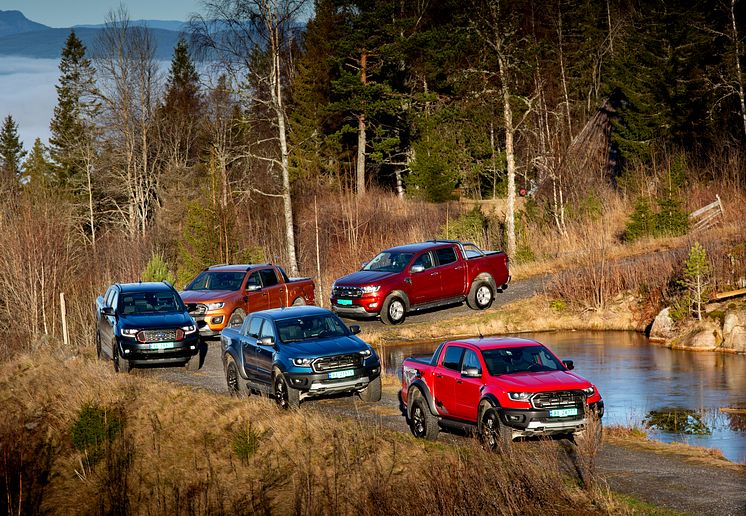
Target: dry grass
(185,451)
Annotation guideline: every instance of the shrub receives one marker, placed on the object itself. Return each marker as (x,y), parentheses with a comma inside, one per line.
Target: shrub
(246,442)
(669,219)
(157,270)
(470,226)
(640,222)
(94,428)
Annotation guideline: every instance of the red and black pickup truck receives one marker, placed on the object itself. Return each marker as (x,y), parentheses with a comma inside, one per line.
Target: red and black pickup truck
(418,276)
(506,387)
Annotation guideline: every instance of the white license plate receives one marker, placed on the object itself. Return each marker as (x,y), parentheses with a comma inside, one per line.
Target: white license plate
(161,345)
(564,412)
(341,374)
(344,301)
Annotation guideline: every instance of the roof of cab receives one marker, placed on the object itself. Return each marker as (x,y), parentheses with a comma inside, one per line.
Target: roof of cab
(147,286)
(420,246)
(293,311)
(237,267)
(497,342)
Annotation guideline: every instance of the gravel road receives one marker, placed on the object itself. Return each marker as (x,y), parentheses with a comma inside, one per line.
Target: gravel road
(665,480)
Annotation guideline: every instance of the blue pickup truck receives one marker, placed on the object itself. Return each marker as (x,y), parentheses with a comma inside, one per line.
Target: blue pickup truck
(145,323)
(296,353)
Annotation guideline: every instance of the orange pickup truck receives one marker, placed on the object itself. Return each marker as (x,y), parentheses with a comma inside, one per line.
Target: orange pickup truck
(222,295)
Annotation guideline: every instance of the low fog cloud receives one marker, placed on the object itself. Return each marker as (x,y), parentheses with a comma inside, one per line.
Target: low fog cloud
(27,92)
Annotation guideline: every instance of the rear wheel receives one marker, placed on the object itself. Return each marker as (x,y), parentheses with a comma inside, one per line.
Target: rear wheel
(372,392)
(480,295)
(236,385)
(285,396)
(236,318)
(494,435)
(422,422)
(393,310)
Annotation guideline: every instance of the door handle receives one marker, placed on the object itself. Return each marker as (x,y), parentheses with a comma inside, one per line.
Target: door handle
(458,381)
(437,375)
(434,273)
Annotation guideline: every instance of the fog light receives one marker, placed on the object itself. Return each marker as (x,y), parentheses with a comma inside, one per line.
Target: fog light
(514,418)
(192,347)
(217,320)
(373,305)
(126,351)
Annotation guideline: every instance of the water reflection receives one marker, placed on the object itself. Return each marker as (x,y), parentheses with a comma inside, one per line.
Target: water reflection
(638,379)
(677,421)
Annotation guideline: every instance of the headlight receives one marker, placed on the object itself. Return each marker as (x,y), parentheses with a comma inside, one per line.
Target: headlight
(589,391)
(215,306)
(519,396)
(302,362)
(366,353)
(189,329)
(129,332)
(371,289)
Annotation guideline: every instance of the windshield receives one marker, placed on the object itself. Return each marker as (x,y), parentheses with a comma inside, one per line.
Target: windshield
(214,280)
(520,360)
(310,327)
(136,303)
(389,262)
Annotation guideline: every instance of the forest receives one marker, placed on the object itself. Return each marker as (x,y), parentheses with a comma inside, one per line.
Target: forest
(558,131)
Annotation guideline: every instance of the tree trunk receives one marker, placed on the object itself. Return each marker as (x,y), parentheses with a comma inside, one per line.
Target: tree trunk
(739,76)
(510,155)
(361,130)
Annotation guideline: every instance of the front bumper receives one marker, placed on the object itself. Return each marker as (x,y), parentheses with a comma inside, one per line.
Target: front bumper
(317,384)
(352,310)
(530,422)
(162,352)
(210,324)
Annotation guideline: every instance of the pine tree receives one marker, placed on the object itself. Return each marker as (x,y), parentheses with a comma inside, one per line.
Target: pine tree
(11,153)
(73,112)
(37,170)
(182,85)
(696,278)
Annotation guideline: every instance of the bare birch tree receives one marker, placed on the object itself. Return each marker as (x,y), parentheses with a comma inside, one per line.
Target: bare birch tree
(253,40)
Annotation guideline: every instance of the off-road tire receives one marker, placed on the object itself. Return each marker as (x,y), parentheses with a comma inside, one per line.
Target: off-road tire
(236,385)
(598,436)
(372,391)
(481,295)
(393,311)
(195,362)
(121,365)
(494,435)
(422,422)
(236,318)
(299,301)
(285,396)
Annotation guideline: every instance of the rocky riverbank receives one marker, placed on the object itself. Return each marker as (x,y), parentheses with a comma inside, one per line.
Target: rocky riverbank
(722,328)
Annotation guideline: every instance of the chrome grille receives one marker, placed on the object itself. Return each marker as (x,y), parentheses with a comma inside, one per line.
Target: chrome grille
(557,399)
(337,362)
(157,335)
(347,291)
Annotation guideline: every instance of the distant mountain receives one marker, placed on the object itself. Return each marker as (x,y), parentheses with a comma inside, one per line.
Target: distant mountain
(174,25)
(48,43)
(14,22)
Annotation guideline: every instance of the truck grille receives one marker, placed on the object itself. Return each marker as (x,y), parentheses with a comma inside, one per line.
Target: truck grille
(321,365)
(160,335)
(347,292)
(558,399)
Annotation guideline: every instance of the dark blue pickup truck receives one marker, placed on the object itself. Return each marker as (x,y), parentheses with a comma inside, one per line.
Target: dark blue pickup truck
(299,352)
(145,323)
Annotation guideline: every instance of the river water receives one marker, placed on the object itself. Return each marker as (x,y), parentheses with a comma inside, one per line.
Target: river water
(674,395)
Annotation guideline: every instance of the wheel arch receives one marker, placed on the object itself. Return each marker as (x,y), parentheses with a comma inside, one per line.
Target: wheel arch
(491,400)
(485,276)
(419,388)
(401,295)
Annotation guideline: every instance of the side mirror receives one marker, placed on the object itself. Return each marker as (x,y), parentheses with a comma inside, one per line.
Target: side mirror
(253,288)
(569,364)
(107,310)
(355,329)
(471,372)
(417,268)
(267,341)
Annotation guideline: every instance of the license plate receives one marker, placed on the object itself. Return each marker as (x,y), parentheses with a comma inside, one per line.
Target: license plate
(564,412)
(344,302)
(161,345)
(341,374)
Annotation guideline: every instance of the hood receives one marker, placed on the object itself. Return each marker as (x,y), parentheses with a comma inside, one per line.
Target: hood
(361,278)
(542,381)
(313,348)
(206,296)
(154,321)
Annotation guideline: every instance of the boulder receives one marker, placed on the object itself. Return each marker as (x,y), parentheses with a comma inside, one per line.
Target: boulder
(663,325)
(734,330)
(704,336)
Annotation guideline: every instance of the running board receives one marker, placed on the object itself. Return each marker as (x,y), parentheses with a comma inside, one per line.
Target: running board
(435,304)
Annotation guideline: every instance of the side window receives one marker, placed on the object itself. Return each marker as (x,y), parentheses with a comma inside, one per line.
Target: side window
(255,325)
(452,358)
(267,331)
(470,360)
(253,280)
(426,260)
(109,296)
(114,299)
(269,278)
(446,255)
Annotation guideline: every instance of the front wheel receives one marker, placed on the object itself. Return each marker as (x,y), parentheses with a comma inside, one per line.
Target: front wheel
(195,362)
(372,391)
(591,436)
(494,435)
(236,318)
(285,396)
(121,365)
(422,422)
(480,296)
(299,301)
(393,310)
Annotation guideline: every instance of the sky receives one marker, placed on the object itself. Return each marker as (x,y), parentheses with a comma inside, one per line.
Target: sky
(66,13)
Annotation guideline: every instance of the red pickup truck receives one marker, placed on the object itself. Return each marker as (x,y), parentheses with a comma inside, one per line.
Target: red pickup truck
(418,276)
(507,387)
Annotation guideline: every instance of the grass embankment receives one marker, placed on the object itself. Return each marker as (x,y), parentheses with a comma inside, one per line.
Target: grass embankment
(78,438)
